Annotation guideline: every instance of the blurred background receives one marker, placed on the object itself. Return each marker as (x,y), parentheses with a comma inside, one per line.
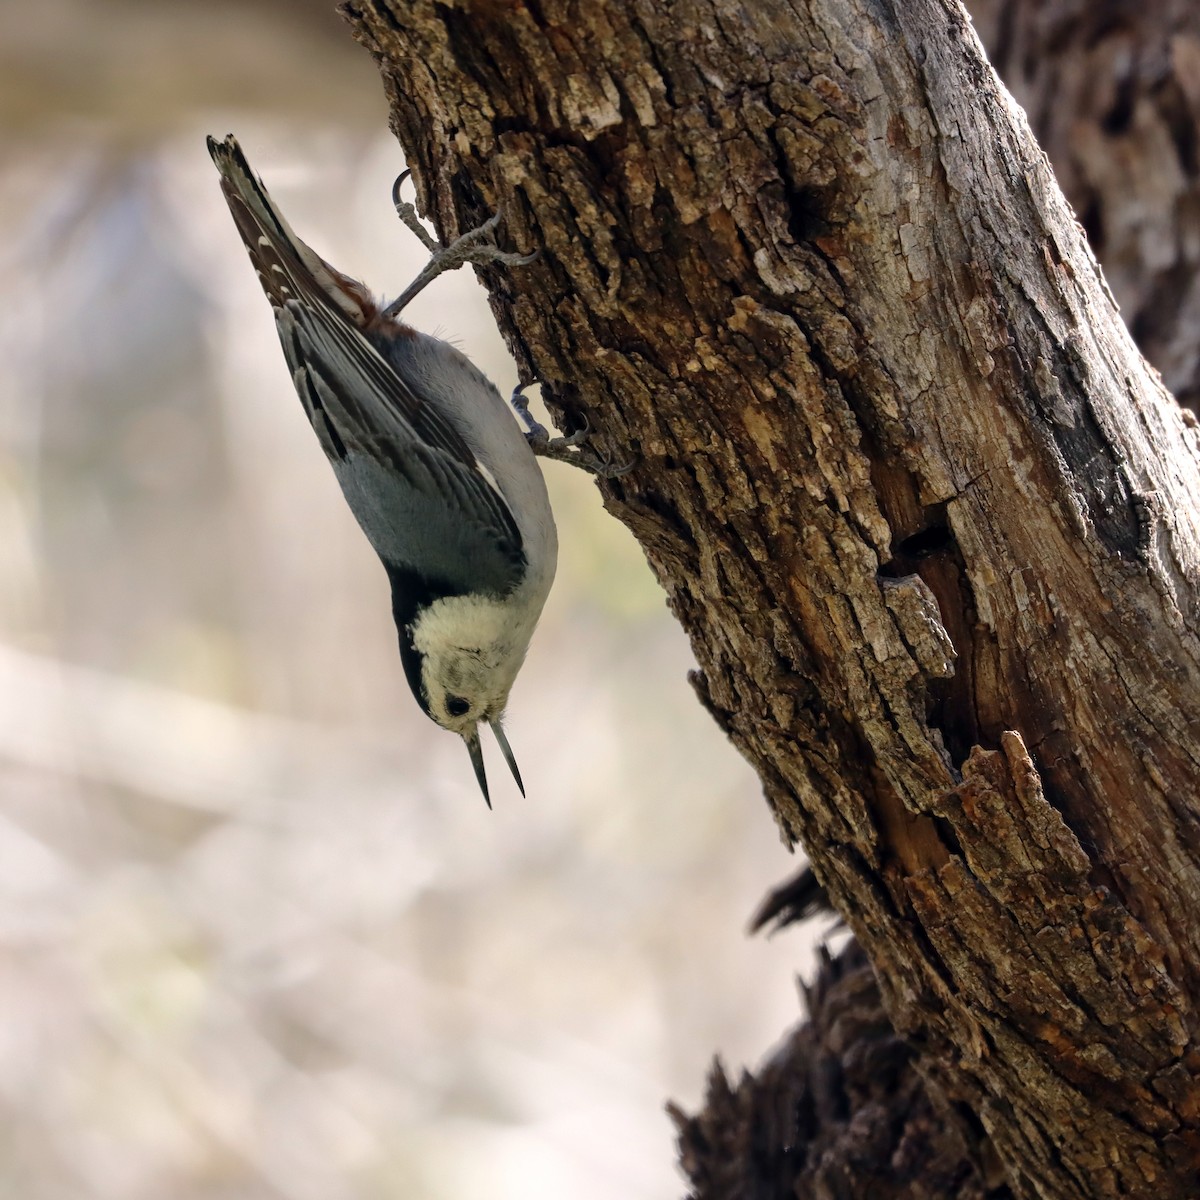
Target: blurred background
(259,936)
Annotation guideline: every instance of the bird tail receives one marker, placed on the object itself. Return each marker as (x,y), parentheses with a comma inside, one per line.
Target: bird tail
(287,268)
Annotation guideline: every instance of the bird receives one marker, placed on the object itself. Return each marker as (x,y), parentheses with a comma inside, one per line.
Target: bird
(436,470)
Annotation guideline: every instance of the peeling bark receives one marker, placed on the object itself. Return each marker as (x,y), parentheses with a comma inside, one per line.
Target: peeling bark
(920,504)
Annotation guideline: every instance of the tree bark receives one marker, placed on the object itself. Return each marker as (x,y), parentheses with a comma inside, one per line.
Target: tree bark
(923,509)
(1112,89)
(838,1110)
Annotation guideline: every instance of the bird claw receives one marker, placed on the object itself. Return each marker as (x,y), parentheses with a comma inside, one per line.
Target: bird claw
(563,449)
(477,246)
(408,214)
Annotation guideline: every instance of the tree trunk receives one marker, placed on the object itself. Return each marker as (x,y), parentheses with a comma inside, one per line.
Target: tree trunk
(923,509)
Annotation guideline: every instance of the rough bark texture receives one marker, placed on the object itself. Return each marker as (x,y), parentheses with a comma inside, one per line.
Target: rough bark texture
(1112,89)
(924,511)
(1112,92)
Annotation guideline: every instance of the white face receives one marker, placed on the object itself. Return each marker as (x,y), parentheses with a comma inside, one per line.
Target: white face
(464,689)
(471,650)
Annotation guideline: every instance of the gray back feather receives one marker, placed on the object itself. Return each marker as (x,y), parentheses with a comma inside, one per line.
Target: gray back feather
(420,504)
(412,482)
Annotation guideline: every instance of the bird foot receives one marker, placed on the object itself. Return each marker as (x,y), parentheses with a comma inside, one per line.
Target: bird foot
(476,246)
(563,449)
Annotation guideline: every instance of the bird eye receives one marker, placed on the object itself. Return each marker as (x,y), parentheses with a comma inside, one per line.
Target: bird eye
(456,706)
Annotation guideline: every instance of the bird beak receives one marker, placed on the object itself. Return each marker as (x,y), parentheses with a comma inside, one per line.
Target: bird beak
(508,754)
(475,750)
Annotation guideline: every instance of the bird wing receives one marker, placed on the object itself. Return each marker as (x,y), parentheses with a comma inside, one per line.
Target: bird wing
(410,479)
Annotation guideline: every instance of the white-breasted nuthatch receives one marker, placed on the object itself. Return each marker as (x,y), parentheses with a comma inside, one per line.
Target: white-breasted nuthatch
(431,462)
